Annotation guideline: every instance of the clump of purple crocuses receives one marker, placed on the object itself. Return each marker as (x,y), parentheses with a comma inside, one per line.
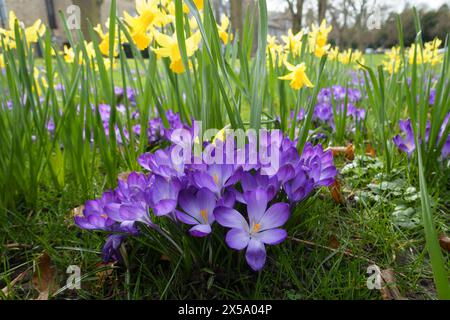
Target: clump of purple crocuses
(324,112)
(252,202)
(405,141)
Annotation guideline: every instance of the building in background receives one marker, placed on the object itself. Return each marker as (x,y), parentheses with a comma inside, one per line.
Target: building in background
(29,11)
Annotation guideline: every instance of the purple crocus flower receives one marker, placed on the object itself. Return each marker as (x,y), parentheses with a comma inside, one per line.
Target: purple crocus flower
(51,126)
(251,182)
(339,92)
(198,210)
(135,188)
(261,228)
(155,130)
(127,214)
(446,148)
(324,95)
(299,187)
(111,248)
(406,143)
(432,98)
(161,163)
(94,214)
(163,195)
(354,95)
(216,177)
(105,111)
(323,112)
(320,165)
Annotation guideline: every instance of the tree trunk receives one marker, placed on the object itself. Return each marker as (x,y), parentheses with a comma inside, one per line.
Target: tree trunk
(297,17)
(236,15)
(90,10)
(322,9)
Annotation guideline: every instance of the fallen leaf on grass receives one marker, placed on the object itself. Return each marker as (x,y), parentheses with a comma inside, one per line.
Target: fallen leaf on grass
(164,258)
(336,192)
(334,242)
(77,212)
(444,241)
(389,289)
(348,151)
(106,270)
(44,278)
(370,151)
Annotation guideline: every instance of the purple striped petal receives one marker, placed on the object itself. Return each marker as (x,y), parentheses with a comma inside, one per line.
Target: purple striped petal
(272,236)
(237,239)
(256,254)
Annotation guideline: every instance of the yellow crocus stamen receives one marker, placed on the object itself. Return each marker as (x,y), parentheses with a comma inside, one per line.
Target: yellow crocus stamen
(256,228)
(216,179)
(204,215)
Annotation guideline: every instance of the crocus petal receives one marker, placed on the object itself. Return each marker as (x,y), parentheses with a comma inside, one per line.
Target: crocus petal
(207,199)
(256,254)
(185,218)
(200,230)
(131,212)
(112,210)
(275,216)
(272,236)
(165,207)
(204,180)
(237,239)
(187,202)
(230,218)
(256,203)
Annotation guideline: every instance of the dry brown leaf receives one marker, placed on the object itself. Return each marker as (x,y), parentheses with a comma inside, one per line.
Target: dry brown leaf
(336,192)
(389,289)
(107,271)
(370,151)
(444,241)
(44,278)
(164,258)
(334,242)
(77,212)
(348,151)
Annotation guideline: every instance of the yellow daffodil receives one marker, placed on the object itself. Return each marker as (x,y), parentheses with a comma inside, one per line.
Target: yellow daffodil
(333,53)
(293,43)
(31,33)
(393,60)
(169,49)
(223,30)
(199,4)
(275,52)
(432,52)
(69,53)
(318,38)
(148,15)
(272,42)
(298,76)
(348,56)
(171,8)
(104,37)
(41,81)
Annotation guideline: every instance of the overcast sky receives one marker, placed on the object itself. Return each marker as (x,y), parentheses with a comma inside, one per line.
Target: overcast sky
(280,5)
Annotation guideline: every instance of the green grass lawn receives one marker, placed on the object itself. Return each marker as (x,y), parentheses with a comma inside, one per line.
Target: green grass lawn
(326,257)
